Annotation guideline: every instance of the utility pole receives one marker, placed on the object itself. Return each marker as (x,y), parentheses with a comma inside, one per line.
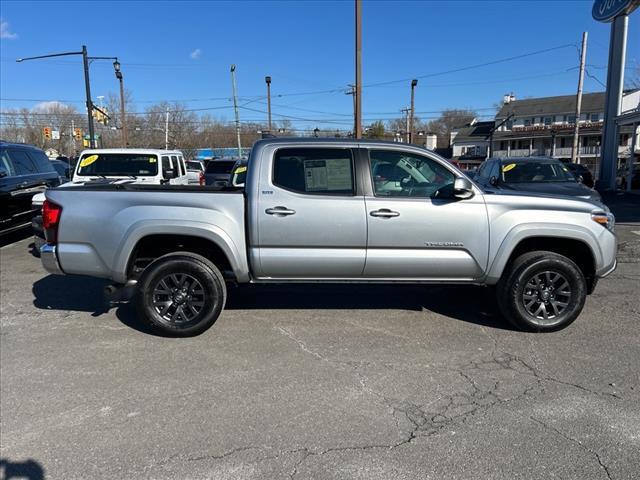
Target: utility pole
(358,93)
(235,107)
(575,149)
(414,82)
(166,129)
(352,92)
(407,112)
(267,79)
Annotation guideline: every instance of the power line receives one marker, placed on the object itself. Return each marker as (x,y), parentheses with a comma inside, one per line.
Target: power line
(471,67)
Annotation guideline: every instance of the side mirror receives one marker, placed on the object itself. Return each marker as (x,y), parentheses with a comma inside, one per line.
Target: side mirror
(3,173)
(462,188)
(493,181)
(580,179)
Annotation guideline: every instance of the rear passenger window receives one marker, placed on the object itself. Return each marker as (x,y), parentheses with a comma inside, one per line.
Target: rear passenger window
(22,163)
(42,162)
(315,171)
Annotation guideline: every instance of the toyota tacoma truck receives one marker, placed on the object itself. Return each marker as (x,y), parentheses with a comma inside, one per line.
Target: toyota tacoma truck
(331,210)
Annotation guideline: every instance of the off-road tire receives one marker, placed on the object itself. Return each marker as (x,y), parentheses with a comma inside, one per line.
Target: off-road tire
(195,304)
(525,292)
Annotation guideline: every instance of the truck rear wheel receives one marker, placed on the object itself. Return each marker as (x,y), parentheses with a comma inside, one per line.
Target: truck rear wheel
(181,294)
(541,292)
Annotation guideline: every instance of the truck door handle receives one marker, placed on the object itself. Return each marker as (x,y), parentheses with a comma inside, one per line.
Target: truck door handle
(279,211)
(384,213)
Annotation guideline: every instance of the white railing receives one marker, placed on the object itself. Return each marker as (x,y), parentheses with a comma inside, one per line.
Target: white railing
(559,151)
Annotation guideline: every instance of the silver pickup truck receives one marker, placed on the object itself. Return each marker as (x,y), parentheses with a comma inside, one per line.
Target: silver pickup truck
(325,210)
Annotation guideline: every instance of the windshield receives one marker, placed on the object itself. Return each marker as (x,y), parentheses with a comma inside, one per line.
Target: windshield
(118,164)
(535,172)
(218,166)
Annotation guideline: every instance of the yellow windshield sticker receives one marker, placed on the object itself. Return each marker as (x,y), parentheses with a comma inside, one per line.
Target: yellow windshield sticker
(511,166)
(241,169)
(153,159)
(88,160)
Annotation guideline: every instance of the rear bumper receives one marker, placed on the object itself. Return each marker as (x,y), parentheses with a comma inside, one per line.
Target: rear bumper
(49,259)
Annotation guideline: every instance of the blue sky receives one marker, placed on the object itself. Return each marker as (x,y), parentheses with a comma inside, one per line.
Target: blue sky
(182,51)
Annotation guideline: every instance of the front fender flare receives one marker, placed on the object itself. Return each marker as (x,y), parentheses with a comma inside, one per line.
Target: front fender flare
(530,230)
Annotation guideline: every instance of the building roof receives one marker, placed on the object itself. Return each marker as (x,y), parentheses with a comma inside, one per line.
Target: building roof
(563,104)
(475,132)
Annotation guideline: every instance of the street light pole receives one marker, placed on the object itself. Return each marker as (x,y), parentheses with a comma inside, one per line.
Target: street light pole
(267,79)
(85,62)
(414,82)
(123,120)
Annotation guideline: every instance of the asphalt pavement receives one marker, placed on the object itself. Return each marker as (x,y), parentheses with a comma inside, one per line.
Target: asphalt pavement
(316,382)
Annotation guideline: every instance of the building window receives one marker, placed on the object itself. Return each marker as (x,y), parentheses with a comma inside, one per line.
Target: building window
(527,122)
(624,139)
(563,142)
(594,117)
(548,120)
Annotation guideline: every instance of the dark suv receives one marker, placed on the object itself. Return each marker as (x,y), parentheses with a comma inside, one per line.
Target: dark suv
(24,171)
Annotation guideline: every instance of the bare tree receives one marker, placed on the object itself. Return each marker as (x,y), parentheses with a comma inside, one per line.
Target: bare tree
(448,121)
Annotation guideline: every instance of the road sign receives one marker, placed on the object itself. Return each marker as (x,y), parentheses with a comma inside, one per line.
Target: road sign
(55,134)
(607,10)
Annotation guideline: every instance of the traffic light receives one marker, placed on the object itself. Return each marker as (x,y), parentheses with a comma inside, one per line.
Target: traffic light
(47,132)
(101,115)
(77,133)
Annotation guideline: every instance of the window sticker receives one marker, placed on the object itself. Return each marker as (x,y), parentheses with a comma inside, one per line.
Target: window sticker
(153,159)
(330,174)
(88,160)
(506,168)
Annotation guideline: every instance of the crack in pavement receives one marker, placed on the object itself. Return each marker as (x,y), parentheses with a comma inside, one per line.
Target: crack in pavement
(427,420)
(577,442)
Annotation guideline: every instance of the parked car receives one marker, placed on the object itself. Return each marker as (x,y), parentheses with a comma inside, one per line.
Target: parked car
(542,175)
(312,211)
(218,172)
(582,173)
(147,166)
(195,172)
(63,170)
(622,177)
(24,171)
(117,166)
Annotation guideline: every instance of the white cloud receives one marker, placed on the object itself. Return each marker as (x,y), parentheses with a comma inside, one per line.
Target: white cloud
(49,107)
(5,33)
(195,55)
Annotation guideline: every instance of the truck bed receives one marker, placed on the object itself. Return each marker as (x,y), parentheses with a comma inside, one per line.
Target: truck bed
(101,224)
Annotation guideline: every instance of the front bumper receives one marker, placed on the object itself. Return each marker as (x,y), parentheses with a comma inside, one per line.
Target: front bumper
(49,259)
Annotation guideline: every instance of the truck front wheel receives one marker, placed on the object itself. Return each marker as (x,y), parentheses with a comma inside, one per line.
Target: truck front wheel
(542,291)
(181,294)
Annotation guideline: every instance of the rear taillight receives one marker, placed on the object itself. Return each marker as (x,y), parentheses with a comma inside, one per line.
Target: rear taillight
(50,221)
(201,178)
